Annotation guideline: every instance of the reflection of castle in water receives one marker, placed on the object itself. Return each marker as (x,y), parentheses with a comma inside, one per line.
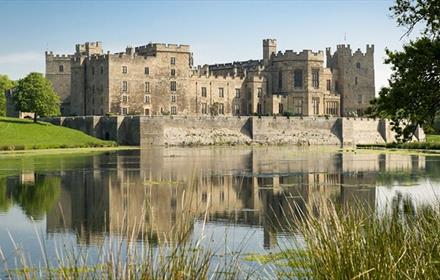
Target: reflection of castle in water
(244,185)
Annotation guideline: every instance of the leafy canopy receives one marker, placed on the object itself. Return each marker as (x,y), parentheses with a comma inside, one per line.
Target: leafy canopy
(412,97)
(409,13)
(35,94)
(5,84)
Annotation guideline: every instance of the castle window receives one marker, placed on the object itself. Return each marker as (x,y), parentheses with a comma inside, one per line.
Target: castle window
(61,68)
(355,80)
(221,109)
(93,89)
(173,85)
(259,109)
(173,110)
(124,111)
(237,109)
(125,98)
(221,92)
(329,85)
(204,108)
(173,61)
(298,106)
(358,65)
(173,72)
(298,78)
(315,105)
(360,99)
(315,78)
(259,92)
(124,86)
(237,93)
(173,98)
(203,91)
(280,80)
(146,111)
(124,70)
(102,70)
(280,108)
(147,86)
(146,99)
(147,71)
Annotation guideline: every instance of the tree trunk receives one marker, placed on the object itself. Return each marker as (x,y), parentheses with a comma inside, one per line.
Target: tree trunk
(35,117)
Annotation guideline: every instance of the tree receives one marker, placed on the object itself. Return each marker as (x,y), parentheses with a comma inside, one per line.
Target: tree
(35,94)
(5,84)
(409,13)
(412,97)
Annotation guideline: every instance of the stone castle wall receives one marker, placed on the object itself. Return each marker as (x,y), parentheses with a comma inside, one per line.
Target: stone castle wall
(175,131)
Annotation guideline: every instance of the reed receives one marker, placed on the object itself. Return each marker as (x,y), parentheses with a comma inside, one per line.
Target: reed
(357,243)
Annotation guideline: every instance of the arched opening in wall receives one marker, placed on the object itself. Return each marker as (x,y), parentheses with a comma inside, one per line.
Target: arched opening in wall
(107,136)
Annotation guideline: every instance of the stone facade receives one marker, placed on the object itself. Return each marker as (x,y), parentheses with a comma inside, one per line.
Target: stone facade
(160,79)
(223,130)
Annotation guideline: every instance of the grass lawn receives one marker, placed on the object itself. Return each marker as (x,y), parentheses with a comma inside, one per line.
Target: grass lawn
(20,134)
(432,143)
(433,138)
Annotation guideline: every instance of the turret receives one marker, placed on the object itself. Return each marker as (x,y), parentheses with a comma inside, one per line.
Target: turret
(269,48)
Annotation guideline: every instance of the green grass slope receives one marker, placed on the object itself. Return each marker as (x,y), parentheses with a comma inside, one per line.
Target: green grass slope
(19,134)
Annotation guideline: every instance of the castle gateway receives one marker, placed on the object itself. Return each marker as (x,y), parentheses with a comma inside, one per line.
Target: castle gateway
(160,79)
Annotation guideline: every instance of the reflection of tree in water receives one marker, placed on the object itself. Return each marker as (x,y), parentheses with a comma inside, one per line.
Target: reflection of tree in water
(5,198)
(37,198)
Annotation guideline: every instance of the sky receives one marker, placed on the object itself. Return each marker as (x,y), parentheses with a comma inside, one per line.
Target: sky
(217,31)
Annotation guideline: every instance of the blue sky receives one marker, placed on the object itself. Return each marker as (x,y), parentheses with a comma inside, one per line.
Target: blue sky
(218,31)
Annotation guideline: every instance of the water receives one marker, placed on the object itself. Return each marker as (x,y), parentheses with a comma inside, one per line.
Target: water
(85,200)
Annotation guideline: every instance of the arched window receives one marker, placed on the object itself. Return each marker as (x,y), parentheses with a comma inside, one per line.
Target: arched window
(358,65)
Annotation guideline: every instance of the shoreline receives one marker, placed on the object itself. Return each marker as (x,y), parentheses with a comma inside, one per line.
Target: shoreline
(57,151)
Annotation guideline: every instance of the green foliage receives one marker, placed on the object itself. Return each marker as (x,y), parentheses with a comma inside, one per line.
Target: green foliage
(215,109)
(35,94)
(5,84)
(21,134)
(5,199)
(412,97)
(353,243)
(409,13)
(37,199)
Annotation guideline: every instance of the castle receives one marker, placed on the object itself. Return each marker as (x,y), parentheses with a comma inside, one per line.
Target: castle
(160,79)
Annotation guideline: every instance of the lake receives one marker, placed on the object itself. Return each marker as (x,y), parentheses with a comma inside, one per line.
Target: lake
(231,196)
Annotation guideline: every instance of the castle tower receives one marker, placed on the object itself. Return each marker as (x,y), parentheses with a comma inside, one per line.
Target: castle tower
(58,73)
(88,48)
(269,48)
(354,77)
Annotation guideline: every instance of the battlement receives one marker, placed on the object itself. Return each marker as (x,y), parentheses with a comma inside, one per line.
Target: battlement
(50,55)
(160,47)
(346,49)
(89,48)
(269,42)
(304,55)
(247,64)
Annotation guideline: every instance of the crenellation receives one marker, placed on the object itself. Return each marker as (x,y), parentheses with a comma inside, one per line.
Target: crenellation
(159,79)
(304,55)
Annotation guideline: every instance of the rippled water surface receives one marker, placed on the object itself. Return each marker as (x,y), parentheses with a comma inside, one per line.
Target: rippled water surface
(85,199)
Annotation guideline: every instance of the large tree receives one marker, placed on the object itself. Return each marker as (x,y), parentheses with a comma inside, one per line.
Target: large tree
(35,94)
(412,97)
(5,84)
(409,13)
